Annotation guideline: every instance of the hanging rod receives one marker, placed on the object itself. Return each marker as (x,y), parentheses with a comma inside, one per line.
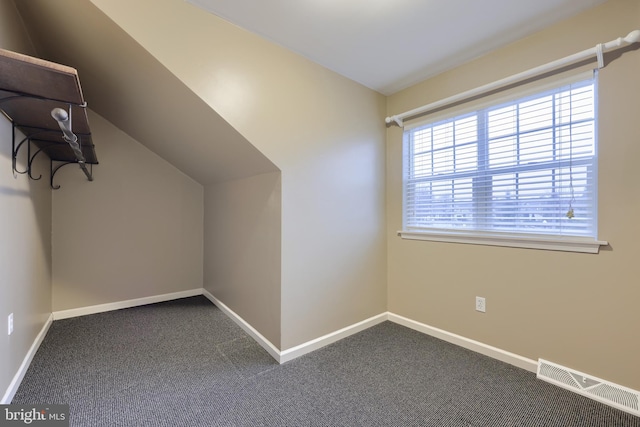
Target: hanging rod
(632,37)
(64,121)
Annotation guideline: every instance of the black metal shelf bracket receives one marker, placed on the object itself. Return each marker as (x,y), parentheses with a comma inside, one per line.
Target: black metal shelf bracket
(16,146)
(30,158)
(14,152)
(73,140)
(59,165)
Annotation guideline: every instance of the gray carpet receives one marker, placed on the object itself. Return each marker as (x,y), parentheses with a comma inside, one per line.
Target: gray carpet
(184,363)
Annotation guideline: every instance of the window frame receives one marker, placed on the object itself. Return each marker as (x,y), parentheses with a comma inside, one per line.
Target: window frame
(535,240)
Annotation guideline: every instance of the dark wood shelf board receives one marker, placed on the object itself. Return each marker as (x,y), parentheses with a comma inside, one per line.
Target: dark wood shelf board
(29,89)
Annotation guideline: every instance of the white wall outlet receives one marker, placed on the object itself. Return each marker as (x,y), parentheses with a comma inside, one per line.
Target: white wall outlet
(10,324)
(481,304)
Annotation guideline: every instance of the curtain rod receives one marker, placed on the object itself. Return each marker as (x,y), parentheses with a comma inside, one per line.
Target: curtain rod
(632,37)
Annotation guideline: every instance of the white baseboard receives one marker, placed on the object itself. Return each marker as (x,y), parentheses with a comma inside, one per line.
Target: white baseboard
(280,356)
(299,350)
(93,309)
(257,336)
(478,347)
(315,344)
(309,346)
(22,370)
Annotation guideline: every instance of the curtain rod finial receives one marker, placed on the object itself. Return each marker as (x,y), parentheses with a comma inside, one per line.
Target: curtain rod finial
(633,37)
(59,115)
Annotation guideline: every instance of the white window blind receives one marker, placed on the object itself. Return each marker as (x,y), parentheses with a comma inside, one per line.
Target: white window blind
(526,165)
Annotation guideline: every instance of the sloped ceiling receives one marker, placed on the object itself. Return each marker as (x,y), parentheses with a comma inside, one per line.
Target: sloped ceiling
(388,45)
(122,82)
(129,87)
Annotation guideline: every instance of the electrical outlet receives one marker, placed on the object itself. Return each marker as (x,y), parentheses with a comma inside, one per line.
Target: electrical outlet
(10,324)
(481,304)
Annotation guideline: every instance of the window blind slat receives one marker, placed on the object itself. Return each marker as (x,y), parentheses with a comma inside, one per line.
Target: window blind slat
(526,165)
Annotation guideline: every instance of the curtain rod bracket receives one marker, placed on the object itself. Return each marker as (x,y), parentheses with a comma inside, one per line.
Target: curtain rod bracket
(395,119)
(632,37)
(599,55)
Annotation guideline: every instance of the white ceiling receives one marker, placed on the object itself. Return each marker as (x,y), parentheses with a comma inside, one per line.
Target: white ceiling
(388,45)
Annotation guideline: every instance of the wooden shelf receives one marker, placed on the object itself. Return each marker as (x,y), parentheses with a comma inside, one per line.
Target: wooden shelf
(29,89)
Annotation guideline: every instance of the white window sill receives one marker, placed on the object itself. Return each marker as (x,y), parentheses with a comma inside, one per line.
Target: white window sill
(549,243)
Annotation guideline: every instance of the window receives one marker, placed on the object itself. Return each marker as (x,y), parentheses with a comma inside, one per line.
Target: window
(526,167)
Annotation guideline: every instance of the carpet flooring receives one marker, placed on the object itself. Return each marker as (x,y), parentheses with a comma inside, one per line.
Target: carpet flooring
(185,363)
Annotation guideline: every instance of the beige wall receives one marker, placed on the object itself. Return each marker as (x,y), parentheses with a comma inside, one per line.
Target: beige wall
(579,310)
(323,131)
(25,233)
(140,228)
(242,238)
(135,231)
